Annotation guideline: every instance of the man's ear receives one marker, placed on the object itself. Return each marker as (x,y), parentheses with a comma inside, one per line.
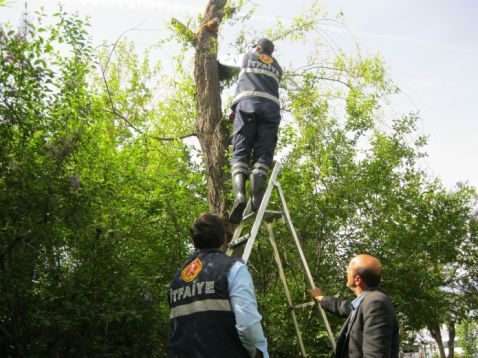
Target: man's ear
(358,280)
(223,246)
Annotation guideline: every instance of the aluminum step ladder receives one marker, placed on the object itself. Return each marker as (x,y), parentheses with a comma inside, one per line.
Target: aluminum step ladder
(241,246)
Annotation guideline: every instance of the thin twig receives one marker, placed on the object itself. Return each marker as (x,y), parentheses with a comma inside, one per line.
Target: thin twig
(119,38)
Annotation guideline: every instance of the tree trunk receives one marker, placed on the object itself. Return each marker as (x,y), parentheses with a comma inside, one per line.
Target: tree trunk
(451,339)
(211,130)
(435,333)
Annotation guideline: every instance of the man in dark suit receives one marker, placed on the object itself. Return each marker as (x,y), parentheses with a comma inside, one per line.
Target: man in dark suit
(371,328)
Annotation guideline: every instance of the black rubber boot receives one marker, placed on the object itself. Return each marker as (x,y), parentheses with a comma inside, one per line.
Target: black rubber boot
(258,184)
(239,190)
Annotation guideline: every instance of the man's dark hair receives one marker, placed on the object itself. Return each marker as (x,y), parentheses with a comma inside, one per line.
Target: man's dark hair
(208,231)
(370,277)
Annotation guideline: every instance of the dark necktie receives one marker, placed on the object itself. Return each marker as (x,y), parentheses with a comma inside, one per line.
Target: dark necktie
(351,318)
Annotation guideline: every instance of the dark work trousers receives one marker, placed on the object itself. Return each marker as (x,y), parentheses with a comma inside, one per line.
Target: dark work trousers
(255,130)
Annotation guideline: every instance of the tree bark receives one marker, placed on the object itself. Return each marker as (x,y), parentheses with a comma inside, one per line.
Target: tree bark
(451,339)
(436,334)
(211,130)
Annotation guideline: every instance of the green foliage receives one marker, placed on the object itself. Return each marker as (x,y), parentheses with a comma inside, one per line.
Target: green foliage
(467,333)
(298,27)
(183,32)
(94,212)
(97,193)
(357,189)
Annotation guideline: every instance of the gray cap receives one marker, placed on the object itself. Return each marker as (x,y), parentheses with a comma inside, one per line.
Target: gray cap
(266,45)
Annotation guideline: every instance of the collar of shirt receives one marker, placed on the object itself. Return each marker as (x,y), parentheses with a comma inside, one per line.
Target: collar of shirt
(358,300)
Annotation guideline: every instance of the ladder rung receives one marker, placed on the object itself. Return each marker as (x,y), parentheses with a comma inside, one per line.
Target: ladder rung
(238,241)
(248,216)
(269,215)
(304,305)
(273,212)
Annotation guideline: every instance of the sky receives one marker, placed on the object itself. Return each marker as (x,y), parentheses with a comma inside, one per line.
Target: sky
(430,48)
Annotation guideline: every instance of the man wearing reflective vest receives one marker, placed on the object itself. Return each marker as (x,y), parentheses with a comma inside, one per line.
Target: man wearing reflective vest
(256,113)
(213,309)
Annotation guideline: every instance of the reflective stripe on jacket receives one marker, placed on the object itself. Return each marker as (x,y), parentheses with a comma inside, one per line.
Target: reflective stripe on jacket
(259,77)
(202,322)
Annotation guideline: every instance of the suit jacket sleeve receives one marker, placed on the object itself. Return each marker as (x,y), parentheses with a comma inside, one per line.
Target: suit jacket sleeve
(336,305)
(377,327)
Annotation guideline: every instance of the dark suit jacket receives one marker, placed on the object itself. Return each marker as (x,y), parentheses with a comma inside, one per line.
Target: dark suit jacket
(373,330)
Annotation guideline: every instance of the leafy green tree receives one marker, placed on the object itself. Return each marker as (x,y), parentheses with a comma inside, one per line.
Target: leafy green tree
(354,177)
(98,188)
(467,333)
(94,204)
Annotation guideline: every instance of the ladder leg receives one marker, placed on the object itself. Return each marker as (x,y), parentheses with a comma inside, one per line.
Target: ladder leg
(286,287)
(260,212)
(304,262)
(237,251)
(243,246)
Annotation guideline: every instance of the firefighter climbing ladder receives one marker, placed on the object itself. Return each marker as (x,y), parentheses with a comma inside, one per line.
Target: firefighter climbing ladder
(242,245)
